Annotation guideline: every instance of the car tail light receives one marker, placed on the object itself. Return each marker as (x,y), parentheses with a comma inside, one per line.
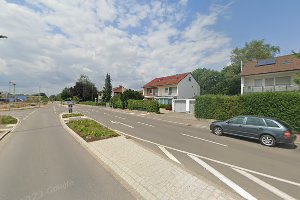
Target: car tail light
(287,134)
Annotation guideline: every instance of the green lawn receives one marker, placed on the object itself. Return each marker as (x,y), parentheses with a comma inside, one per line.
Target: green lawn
(90,130)
(72,115)
(5,119)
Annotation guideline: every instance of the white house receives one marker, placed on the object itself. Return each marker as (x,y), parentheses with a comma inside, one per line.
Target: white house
(164,89)
(270,75)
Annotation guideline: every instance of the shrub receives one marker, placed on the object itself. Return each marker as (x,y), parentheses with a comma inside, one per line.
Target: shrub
(281,105)
(169,107)
(145,105)
(5,119)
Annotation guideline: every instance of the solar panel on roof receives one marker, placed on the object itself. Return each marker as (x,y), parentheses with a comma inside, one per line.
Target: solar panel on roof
(269,61)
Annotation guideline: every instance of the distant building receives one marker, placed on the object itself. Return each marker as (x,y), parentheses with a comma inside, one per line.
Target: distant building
(118,90)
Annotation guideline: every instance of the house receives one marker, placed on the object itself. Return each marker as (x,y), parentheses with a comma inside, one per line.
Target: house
(164,89)
(270,75)
(118,90)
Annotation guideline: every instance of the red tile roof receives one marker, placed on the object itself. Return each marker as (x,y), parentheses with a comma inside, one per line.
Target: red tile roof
(168,80)
(118,89)
(283,63)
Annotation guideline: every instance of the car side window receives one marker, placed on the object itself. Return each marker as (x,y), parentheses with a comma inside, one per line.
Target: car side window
(271,123)
(255,121)
(237,120)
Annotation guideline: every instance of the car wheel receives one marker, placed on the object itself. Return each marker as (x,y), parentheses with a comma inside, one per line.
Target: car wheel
(268,140)
(218,131)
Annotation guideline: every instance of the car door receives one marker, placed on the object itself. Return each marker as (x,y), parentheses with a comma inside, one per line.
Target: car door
(234,126)
(254,126)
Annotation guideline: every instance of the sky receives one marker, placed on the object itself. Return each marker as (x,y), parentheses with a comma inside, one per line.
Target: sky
(51,42)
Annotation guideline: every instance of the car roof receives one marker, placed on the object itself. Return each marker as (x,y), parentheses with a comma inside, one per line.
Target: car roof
(257,116)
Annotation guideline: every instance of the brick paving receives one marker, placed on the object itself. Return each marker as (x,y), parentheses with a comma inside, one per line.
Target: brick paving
(152,176)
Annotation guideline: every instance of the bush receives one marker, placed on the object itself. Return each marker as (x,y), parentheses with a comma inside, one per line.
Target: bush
(281,105)
(169,107)
(5,119)
(145,105)
(91,103)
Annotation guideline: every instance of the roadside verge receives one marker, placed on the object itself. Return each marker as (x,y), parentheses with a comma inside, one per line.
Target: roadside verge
(151,176)
(9,128)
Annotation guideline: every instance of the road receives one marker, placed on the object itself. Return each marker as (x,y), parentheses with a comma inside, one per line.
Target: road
(267,173)
(40,160)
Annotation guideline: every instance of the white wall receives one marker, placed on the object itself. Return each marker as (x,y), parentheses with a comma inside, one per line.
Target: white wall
(162,90)
(188,89)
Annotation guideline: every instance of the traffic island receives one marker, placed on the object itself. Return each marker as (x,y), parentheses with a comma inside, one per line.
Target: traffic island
(146,174)
(7,124)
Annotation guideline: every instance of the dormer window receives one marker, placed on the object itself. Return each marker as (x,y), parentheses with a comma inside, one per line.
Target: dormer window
(190,79)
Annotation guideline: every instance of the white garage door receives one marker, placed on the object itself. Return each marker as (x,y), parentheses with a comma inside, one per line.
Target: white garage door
(180,106)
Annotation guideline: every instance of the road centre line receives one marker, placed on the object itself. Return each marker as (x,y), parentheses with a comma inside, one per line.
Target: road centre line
(145,124)
(265,185)
(163,149)
(121,124)
(29,114)
(223,178)
(213,160)
(205,140)
(120,117)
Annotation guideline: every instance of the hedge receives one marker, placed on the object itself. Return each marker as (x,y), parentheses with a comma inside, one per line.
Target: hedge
(280,105)
(145,105)
(91,103)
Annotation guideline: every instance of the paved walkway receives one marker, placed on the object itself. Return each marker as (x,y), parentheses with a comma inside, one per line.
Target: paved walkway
(152,176)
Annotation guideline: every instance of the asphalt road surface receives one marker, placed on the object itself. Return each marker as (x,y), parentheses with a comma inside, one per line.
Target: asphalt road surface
(264,172)
(40,160)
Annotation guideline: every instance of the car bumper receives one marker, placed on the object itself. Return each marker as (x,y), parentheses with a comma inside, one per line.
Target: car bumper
(290,140)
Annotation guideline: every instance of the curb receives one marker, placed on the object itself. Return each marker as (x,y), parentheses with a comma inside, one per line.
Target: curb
(119,174)
(11,130)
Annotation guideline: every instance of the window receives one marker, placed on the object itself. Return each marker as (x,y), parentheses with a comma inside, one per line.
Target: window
(170,91)
(150,91)
(166,90)
(190,79)
(255,121)
(237,120)
(257,82)
(269,81)
(271,123)
(284,80)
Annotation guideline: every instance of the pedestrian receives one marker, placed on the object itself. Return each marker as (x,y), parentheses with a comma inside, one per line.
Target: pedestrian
(70,107)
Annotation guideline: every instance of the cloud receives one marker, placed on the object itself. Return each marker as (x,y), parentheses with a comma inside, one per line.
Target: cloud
(52,42)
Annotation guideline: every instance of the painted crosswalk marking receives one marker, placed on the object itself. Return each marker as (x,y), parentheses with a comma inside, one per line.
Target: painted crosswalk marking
(169,154)
(223,178)
(265,185)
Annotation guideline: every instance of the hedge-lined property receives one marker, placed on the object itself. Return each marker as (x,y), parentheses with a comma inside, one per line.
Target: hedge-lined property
(146,105)
(91,103)
(281,105)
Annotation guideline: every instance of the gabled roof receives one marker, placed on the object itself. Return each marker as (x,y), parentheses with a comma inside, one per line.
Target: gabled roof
(167,80)
(118,89)
(282,64)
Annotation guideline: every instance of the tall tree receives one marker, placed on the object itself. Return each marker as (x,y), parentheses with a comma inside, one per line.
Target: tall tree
(84,89)
(107,89)
(66,94)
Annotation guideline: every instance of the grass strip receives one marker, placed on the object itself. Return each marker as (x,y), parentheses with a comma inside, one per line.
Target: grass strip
(90,130)
(6,119)
(72,115)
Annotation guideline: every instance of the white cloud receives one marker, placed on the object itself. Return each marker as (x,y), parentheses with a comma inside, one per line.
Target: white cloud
(52,42)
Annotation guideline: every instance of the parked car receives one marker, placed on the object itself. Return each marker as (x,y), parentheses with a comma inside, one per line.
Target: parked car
(267,130)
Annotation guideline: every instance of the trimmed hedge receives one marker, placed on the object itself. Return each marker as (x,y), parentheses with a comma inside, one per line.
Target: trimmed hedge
(145,105)
(281,105)
(91,103)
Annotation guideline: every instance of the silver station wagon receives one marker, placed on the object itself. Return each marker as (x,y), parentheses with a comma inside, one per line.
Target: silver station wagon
(267,130)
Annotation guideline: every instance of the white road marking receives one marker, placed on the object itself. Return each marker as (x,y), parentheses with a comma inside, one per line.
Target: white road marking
(121,124)
(265,185)
(213,160)
(224,179)
(131,113)
(119,117)
(169,154)
(10,125)
(29,115)
(145,124)
(204,140)
(142,114)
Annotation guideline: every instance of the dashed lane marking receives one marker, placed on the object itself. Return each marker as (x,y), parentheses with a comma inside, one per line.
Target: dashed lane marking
(120,117)
(163,149)
(205,140)
(145,124)
(121,124)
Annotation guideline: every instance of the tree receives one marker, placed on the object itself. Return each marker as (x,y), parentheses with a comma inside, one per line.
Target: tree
(296,54)
(52,98)
(130,94)
(107,89)
(66,94)
(84,89)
